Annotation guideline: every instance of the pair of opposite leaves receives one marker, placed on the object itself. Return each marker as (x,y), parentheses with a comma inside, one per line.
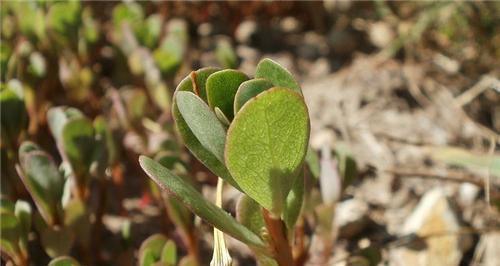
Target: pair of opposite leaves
(266,141)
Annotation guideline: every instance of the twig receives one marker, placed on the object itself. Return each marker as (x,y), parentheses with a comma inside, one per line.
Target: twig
(450,176)
(483,84)
(487,185)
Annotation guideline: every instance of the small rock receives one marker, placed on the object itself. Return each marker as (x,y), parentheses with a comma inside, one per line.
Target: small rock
(290,25)
(451,66)
(492,249)
(321,138)
(467,193)
(249,58)
(313,46)
(245,31)
(319,68)
(351,217)
(205,29)
(381,34)
(434,220)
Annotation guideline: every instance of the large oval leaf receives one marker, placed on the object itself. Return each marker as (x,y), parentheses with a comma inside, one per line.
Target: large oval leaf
(199,205)
(221,88)
(248,90)
(266,145)
(276,74)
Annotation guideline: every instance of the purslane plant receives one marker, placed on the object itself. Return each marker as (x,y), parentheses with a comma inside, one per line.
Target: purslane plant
(252,133)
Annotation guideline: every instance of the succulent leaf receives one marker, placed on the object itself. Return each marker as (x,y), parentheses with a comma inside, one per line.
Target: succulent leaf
(276,74)
(198,205)
(221,88)
(64,261)
(266,145)
(248,90)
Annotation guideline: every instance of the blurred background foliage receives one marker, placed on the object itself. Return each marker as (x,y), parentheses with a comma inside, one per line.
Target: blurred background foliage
(117,63)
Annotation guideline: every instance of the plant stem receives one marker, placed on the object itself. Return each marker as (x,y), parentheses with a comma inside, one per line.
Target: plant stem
(279,242)
(299,250)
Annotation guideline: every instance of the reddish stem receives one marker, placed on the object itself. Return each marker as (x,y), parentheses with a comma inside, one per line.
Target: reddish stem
(279,242)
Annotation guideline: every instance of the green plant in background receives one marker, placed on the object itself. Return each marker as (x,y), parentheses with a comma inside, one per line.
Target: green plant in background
(258,146)
(13,123)
(78,144)
(158,250)
(60,192)
(15,222)
(60,219)
(64,261)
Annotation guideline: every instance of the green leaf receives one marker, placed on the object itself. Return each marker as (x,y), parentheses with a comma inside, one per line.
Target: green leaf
(198,205)
(169,253)
(169,55)
(179,214)
(23,214)
(202,122)
(13,115)
(57,118)
(10,229)
(147,258)
(222,117)
(151,30)
(63,17)
(266,145)
(64,261)
(151,249)
(196,81)
(78,145)
(346,164)
(42,179)
(312,161)
(249,214)
(225,54)
(130,12)
(57,241)
(204,150)
(276,74)
(6,205)
(248,90)
(294,202)
(77,218)
(221,88)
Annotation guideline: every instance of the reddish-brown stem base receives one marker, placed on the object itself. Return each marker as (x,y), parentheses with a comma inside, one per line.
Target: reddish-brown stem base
(279,242)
